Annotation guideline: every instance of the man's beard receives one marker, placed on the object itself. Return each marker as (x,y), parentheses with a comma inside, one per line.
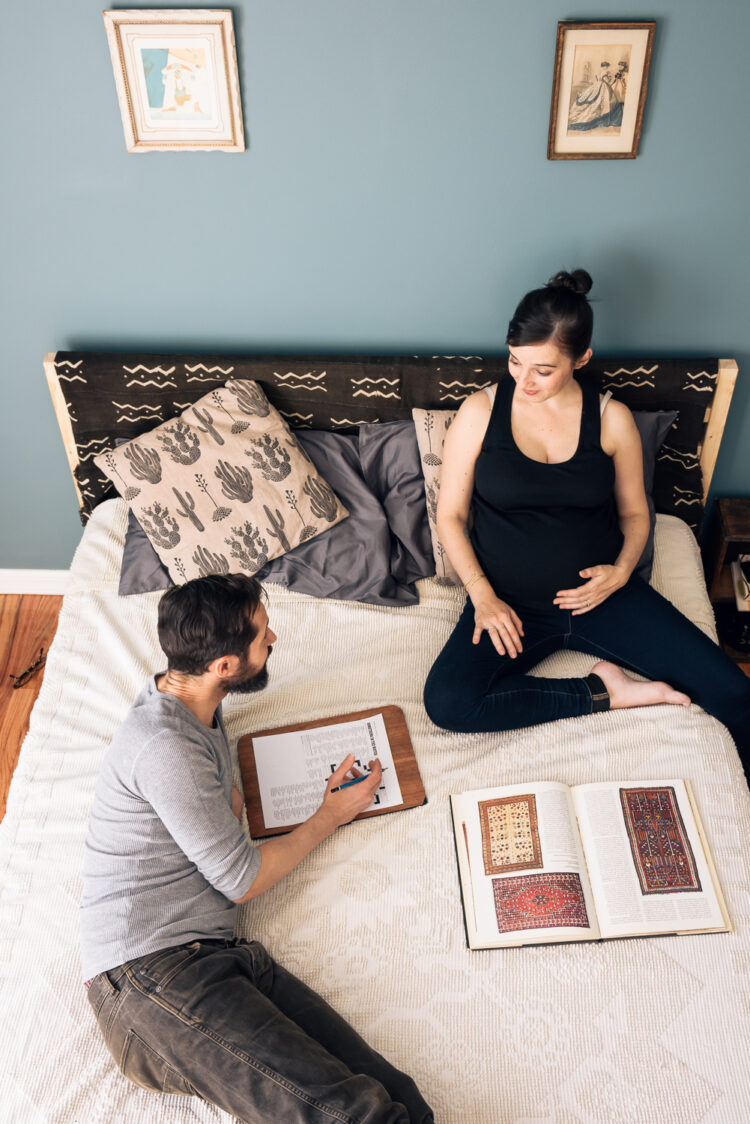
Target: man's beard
(247,685)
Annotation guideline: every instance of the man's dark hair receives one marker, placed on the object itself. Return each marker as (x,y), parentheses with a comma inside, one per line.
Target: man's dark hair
(207,618)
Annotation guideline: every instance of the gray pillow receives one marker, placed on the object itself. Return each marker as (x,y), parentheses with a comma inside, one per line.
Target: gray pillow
(389,456)
(352,561)
(653,426)
(353,564)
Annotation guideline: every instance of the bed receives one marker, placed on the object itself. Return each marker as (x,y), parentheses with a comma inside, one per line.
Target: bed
(655,1029)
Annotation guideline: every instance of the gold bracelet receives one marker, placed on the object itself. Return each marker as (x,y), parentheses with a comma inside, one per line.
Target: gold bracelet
(471,581)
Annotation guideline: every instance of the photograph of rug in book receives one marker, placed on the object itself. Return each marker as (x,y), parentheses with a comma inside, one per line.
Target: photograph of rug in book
(539,901)
(510,834)
(661,849)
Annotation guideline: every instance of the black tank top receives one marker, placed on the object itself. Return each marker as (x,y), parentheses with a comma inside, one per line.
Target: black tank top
(536,525)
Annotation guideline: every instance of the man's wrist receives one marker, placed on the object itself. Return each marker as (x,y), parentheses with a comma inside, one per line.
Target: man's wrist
(325,821)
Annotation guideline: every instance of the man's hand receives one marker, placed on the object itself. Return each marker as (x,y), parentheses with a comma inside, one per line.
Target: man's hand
(344,805)
(281,855)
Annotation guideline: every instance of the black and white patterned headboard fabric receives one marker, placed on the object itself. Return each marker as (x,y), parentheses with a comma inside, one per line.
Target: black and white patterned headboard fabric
(122,395)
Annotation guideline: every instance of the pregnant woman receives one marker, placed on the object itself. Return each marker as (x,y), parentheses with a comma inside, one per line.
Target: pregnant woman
(553,474)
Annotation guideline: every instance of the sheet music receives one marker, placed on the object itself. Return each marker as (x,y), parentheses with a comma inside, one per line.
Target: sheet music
(293,768)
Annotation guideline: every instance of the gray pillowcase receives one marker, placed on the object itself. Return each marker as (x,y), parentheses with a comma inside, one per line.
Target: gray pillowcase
(389,456)
(359,559)
(353,564)
(653,426)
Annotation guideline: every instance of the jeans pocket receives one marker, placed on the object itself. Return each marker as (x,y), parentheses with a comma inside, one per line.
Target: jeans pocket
(261,964)
(144,1066)
(159,968)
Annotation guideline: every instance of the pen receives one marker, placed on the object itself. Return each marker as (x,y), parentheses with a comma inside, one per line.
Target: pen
(348,784)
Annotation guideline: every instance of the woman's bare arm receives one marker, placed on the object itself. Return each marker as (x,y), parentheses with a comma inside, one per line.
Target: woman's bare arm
(620,438)
(621,441)
(463,444)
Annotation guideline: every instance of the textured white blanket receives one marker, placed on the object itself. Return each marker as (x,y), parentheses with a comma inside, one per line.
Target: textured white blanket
(648,1030)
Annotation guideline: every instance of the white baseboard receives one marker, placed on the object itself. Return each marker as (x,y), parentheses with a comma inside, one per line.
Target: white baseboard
(34,581)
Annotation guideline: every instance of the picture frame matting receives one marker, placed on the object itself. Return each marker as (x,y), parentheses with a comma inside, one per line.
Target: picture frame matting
(599,90)
(177,79)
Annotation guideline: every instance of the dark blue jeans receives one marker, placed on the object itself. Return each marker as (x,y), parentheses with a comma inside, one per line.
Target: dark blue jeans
(222,1021)
(473,689)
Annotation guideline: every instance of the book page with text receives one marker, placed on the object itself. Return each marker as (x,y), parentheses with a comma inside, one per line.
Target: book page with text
(645,858)
(524,865)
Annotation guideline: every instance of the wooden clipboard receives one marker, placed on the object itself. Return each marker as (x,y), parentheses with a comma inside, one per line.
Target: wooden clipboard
(405,763)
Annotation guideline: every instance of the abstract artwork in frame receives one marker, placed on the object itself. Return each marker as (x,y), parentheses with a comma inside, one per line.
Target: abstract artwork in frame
(510,834)
(662,854)
(599,90)
(176,77)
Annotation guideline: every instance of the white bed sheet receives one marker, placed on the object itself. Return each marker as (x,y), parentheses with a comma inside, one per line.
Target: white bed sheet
(654,1030)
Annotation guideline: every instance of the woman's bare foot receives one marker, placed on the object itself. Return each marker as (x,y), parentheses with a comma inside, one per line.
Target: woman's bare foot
(624,691)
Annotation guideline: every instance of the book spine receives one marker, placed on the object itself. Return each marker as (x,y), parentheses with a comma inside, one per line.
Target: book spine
(456,827)
(741,588)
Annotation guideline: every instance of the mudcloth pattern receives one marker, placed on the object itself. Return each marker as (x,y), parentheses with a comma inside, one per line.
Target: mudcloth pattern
(539,901)
(661,849)
(510,834)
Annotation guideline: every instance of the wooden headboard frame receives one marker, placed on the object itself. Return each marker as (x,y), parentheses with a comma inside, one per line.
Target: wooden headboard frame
(716,417)
(86,389)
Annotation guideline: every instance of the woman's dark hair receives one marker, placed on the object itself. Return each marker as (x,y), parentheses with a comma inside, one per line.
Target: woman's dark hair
(558,312)
(207,618)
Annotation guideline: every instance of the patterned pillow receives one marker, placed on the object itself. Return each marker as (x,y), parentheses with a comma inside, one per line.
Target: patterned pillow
(224,487)
(432,426)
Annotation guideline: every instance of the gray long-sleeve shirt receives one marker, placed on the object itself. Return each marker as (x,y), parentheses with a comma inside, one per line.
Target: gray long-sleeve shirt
(164,858)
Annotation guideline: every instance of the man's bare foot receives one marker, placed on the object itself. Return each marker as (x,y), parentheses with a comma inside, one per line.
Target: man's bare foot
(624,691)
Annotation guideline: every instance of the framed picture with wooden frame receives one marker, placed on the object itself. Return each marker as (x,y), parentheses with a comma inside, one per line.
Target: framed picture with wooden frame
(599,90)
(177,80)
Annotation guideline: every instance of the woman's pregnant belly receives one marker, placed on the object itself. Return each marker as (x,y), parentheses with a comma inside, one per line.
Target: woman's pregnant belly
(529,555)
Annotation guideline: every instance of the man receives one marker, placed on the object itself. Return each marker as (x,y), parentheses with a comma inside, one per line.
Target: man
(183,1006)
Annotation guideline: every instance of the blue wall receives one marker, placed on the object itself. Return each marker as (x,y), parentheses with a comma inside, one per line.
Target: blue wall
(395,196)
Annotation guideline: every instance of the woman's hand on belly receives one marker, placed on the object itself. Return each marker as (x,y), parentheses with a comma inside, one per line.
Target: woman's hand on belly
(501,623)
(602,582)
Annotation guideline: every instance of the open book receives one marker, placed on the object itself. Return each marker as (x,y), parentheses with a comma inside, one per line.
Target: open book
(547,863)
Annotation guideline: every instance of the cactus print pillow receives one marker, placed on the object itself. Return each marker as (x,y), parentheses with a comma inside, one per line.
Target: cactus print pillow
(225,487)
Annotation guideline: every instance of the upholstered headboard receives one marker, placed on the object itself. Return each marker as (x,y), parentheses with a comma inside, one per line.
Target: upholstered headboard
(100,397)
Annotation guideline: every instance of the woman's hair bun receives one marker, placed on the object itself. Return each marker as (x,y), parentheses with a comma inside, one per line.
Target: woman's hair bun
(579,281)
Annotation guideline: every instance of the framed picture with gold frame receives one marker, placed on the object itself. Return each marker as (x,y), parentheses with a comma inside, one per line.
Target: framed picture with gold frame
(599,90)
(177,80)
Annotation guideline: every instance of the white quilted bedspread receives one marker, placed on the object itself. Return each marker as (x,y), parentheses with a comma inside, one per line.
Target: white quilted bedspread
(654,1030)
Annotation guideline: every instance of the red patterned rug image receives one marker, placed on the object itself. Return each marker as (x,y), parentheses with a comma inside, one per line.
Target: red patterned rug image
(539,901)
(510,834)
(661,850)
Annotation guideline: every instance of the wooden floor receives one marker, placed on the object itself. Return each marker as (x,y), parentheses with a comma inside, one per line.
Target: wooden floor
(27,623)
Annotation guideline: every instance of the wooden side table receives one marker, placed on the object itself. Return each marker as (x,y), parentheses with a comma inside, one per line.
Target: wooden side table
(729,537)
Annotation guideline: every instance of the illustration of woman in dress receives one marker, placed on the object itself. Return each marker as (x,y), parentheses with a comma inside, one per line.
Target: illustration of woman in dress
(599,104)
(185,85)
(620,83)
